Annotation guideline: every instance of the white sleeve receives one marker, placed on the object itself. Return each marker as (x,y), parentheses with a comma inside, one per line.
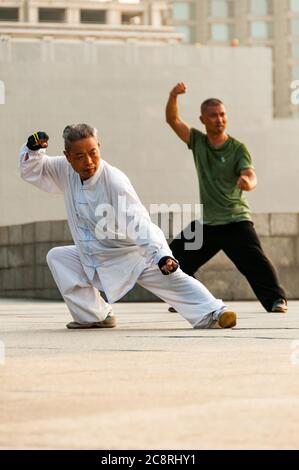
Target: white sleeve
(134,219)
(47,173)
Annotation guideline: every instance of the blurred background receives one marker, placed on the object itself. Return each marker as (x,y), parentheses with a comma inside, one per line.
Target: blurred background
(112,63)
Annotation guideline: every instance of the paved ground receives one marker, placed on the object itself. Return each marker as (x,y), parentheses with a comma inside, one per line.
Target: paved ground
(152,383)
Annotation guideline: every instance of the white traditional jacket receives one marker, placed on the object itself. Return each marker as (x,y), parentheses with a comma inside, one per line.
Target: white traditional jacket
(118,250)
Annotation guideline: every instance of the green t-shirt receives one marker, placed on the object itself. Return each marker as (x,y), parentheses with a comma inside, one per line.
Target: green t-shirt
(218,170)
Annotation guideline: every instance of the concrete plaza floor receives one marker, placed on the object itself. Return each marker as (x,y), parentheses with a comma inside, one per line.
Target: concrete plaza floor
(152,383)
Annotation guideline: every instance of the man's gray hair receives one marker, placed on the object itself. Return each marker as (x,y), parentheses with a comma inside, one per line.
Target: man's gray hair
(76,132)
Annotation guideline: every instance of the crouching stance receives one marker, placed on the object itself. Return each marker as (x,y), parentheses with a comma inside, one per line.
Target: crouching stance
(115,242)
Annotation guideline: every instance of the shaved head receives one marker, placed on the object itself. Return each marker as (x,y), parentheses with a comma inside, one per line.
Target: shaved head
(209,103)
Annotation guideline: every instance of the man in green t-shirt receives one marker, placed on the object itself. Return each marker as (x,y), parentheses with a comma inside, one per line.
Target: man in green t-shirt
(224,169)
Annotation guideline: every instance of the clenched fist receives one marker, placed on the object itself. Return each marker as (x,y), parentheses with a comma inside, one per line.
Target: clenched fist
(168,265)
(179,89)
(38,140)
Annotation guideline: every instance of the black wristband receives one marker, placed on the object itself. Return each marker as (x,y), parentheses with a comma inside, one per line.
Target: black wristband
(32,142)
(162,263)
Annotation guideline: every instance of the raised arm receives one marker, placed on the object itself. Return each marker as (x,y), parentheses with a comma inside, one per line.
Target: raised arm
(47,173)
(181,128)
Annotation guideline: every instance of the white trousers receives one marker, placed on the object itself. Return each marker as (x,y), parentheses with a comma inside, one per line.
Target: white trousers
(187,295)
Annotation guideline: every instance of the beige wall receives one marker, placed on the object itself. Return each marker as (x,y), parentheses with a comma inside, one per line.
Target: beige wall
(122,89)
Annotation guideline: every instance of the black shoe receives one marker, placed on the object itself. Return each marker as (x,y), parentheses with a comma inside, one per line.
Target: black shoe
(280,305)
(172,310)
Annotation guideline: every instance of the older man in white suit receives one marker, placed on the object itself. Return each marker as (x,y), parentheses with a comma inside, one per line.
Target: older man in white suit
(115,242)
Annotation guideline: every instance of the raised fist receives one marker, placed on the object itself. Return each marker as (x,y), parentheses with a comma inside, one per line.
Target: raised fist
(38,140)
(179,89)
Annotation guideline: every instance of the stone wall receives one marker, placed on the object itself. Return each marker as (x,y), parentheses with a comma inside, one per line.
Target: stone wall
(24,273)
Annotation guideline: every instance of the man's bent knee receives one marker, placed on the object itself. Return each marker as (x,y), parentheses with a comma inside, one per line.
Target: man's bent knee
(53,255)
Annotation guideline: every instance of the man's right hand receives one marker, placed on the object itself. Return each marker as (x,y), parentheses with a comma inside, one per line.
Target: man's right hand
(38,140)
(181,128)
(179,89)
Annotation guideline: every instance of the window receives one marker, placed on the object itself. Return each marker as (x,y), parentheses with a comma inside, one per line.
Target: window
(93,16)
(295,51)
(260,7)
(220,8)
(131,18)
(9,14)
(294,5)
(187,32)
(295,27)
(261,30)
(181,11)
(51,15)
(221,32)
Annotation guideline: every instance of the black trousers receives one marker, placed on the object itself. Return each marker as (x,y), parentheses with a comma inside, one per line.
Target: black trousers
(240,243)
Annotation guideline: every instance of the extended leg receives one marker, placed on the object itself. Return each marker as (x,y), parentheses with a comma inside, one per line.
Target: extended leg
(189,297)
(242,246)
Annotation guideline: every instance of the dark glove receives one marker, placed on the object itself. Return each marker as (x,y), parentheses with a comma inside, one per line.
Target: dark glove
(163,268)
(34,141)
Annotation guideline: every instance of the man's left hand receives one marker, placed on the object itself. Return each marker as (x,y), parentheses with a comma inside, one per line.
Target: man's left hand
(168,265)
(244,183)
(247,180)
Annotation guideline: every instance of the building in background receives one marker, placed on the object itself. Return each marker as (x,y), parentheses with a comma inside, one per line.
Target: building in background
(272,23)
(110,20)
